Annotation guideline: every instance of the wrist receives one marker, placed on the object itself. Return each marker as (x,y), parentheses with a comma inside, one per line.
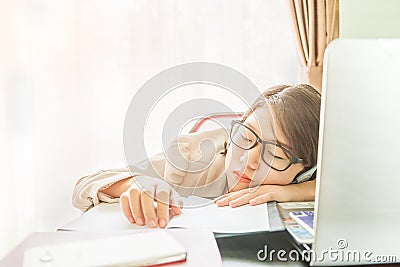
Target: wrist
(115,190)
(304,191)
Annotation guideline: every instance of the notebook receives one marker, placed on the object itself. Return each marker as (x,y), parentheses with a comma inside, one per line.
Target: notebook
(200,244)
(139,249)
(222,220)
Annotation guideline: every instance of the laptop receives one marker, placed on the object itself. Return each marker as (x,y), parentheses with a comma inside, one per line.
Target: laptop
(357,203)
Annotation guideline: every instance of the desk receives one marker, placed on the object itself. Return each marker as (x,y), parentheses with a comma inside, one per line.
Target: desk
(242,250)
(203,250)
(235,251)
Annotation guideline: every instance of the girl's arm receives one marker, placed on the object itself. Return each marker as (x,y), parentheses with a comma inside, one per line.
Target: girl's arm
(108,185)
(115,190)
(88,190)
(265,193)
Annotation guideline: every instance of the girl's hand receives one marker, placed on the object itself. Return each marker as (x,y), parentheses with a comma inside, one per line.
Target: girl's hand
(150,201)
(265,193)
(252,196)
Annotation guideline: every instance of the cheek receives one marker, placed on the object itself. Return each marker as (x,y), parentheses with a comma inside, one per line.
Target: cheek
(233,158)
(279,178)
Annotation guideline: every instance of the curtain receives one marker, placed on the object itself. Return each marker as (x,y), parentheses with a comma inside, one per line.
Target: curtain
(316,23)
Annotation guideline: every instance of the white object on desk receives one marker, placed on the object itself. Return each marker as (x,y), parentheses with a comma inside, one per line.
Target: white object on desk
(140,249)
(357,191)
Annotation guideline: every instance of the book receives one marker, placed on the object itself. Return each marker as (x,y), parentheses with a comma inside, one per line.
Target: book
(222,220)
(138,249)
(199,244)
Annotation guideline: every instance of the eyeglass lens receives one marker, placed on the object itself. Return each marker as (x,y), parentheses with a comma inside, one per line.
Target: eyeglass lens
(272,155)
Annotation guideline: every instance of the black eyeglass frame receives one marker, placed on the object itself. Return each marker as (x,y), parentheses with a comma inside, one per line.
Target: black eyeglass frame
(293,158)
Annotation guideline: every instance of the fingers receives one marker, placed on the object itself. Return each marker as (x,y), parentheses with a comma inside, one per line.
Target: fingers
(147,201)
(176,206)
(224,201)
(135,206)
(162,197)
(262,199)
(131,207)
(137,203)
(221,197)
(245,196)
(242,200)
(126,210)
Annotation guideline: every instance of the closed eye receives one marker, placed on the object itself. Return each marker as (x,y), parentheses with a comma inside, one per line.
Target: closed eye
(245,138)
(275,155)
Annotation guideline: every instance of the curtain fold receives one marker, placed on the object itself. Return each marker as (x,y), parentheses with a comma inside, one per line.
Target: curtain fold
(316,24)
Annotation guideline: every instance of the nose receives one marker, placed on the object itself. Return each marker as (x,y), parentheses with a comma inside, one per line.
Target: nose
(252,157)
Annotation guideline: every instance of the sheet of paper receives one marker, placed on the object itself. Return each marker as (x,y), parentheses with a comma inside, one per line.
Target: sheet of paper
(102,217)
(244,219)
(219,219)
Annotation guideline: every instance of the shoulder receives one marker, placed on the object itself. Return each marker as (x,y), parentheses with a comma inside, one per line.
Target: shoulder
(217,136)
(194,153)
(199,144)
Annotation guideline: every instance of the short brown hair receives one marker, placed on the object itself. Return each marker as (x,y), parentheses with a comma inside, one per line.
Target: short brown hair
(296,110)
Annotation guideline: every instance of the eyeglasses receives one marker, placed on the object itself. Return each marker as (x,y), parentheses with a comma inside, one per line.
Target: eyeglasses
(246,138)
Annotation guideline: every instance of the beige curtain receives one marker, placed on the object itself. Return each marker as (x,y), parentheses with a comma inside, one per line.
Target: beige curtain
(316,24)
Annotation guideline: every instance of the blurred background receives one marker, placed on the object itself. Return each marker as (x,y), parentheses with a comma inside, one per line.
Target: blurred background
(69,69)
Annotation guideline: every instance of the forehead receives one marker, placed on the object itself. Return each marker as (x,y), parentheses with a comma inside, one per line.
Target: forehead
(262,122)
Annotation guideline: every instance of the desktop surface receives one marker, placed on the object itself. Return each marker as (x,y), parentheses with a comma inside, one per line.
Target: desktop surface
(242,250)
(235,250)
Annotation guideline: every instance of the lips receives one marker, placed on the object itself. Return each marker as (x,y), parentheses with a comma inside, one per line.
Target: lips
(242,177)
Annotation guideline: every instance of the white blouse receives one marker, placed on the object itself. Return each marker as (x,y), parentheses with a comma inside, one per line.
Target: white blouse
(209,182)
